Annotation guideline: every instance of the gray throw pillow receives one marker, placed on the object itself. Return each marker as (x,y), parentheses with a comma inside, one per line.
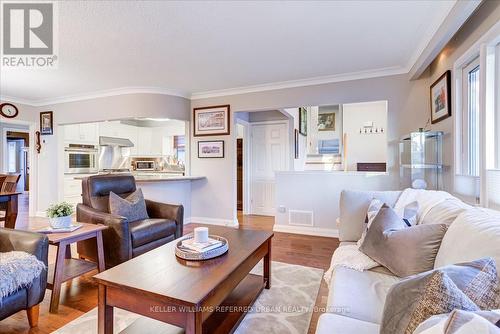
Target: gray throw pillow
(402,249)
(412,301)
(461,322)
(133,207)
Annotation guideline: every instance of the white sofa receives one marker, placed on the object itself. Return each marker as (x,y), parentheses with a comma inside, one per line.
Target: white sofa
(356,299)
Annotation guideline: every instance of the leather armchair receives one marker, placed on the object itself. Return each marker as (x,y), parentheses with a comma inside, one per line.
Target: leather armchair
(124,239)
(27,298)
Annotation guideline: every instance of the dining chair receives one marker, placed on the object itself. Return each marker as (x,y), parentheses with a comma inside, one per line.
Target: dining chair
(8,183)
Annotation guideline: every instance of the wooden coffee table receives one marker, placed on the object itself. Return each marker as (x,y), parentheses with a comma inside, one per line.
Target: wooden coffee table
(209,296)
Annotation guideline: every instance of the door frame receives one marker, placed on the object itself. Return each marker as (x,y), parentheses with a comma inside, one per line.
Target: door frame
(249,180)
(33,175)
(246,165)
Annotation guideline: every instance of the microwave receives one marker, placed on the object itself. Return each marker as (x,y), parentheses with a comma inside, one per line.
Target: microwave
(144,165)
(80,159)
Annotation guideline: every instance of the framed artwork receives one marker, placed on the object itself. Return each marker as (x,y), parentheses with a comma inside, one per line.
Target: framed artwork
(211,149)
(441,98)
(211,121)
(46,123)
(303,121)
(296,144)
(326,121)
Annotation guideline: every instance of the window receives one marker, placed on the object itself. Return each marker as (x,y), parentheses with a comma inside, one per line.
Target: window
(470,119)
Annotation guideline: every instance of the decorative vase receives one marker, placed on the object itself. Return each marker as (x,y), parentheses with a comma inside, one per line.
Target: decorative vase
(60,222)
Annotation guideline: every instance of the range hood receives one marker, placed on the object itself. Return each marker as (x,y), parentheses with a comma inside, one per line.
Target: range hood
(113,141)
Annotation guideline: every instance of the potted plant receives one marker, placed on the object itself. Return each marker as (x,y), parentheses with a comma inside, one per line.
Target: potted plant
(60,215)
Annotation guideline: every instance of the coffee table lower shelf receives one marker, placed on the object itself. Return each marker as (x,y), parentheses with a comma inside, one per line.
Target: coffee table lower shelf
(240,300)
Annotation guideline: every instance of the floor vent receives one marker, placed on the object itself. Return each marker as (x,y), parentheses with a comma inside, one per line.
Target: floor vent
(301,218)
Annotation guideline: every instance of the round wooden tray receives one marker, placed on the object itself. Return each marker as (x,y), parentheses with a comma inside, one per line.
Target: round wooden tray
(186,254)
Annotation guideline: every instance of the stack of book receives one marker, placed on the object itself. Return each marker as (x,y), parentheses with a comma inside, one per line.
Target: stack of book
(201,247)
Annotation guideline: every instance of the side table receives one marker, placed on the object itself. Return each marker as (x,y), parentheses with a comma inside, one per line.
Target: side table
(66,267)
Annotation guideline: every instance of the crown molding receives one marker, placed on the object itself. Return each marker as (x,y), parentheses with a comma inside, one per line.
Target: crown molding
(382,72)
(95,95)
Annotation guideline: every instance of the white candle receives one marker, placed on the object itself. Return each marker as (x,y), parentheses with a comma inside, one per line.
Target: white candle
(201,234)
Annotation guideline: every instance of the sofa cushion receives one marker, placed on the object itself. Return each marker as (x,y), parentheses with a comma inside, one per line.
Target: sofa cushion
(445,212)
(353,206)
(359,295)
(329,323)
(403,250)
(132,207)
(473,235)
(149,230)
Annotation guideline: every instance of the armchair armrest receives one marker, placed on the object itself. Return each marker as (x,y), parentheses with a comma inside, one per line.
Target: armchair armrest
(116,238)
(29,242)
(36,244)
(167,211)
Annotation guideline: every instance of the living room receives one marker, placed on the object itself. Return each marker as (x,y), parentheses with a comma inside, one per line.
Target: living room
(336,127)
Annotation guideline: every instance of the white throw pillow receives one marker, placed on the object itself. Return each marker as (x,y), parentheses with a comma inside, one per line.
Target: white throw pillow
(461,322)
(473,235)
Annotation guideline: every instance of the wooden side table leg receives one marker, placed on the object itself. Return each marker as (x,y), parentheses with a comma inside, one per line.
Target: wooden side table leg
(100,252)
(104,313)
(267,266)
(194,323)
(58,277)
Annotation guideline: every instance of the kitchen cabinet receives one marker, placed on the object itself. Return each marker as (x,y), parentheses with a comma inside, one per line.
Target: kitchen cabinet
(81,133)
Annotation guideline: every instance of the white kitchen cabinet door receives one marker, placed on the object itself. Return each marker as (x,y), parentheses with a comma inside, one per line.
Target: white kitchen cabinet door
(89,133)
(72,133)
(144,140)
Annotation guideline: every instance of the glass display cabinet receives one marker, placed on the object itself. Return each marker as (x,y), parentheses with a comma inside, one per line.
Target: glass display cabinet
(421,160)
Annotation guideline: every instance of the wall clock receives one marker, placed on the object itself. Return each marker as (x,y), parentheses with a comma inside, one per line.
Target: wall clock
(8,110)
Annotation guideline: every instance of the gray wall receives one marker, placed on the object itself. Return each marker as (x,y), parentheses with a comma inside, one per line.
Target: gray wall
(408,108)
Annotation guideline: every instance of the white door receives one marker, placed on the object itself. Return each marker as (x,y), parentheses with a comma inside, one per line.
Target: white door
(269,153)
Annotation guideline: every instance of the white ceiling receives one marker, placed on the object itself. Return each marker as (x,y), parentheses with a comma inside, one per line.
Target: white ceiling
(192,47)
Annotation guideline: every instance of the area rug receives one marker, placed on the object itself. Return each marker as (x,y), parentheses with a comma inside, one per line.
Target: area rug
(285,308)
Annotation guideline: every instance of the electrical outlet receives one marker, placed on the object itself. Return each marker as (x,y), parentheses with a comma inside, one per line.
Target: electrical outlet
(281,209)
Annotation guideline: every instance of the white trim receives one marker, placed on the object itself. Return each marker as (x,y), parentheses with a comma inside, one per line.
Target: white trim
(41,214)
(246,164)
(212,221)
(96,94)
(304,230)
(480,47)
(437,40)
(382,72)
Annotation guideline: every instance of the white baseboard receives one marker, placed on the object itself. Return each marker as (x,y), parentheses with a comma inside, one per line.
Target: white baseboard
(211,221)
(41,214)
(315,231)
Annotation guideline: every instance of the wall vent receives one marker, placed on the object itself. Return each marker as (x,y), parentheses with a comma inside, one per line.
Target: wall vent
(301,218)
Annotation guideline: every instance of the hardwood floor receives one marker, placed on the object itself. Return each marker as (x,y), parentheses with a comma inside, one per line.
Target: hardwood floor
(79,295)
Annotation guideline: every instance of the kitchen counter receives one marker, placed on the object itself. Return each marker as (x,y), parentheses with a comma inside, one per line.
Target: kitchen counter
(156,177)
(166,178)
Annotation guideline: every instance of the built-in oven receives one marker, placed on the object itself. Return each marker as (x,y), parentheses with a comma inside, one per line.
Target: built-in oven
(80,159)
(144,165)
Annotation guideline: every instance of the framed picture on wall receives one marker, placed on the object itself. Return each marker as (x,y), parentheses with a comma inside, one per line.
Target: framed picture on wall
(46,123)
(326,121)
(211,149)
(211,121)
(303,121)
(296,144)
(441,98)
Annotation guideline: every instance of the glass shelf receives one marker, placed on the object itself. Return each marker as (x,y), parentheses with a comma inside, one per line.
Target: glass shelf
(420,159)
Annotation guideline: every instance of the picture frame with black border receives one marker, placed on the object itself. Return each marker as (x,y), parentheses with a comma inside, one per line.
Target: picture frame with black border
(211,149)
(46,123)
(212,121)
